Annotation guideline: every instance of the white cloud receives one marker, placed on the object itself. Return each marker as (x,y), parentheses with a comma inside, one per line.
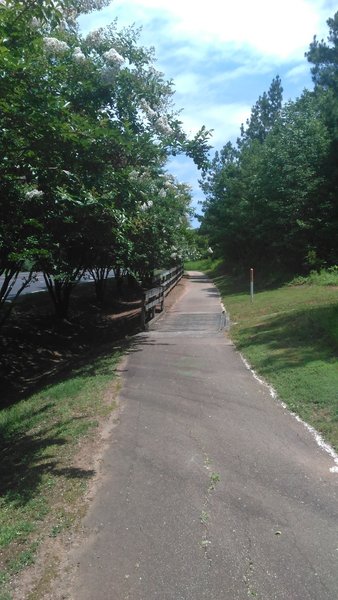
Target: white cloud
(248,67)
(224,119)
(298,72)
(276,29)
(189,83)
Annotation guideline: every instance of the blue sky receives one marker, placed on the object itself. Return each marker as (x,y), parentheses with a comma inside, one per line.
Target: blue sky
(222,56)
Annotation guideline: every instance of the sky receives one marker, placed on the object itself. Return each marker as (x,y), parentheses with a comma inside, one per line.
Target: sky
(222,56)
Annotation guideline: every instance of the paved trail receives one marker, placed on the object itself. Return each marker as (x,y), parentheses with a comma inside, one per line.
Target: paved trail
(211,489)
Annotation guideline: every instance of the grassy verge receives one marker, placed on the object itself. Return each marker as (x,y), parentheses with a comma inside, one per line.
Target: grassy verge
(42,474)
(289,334)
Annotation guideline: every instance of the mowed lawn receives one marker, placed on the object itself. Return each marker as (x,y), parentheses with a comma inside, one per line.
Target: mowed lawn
(289,335)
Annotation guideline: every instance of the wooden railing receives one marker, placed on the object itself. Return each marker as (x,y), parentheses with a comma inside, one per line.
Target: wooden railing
(168,279)
(154,298)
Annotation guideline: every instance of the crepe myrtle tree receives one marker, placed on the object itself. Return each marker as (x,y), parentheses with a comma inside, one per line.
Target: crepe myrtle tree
(108,246)
(76,113)
(137,96)
(32,125)
(66,223)
(85,235)
(19,241)
(159,222)
(18,234)
(31,120)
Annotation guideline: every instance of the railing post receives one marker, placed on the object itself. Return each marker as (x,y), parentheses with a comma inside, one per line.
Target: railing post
(156,296)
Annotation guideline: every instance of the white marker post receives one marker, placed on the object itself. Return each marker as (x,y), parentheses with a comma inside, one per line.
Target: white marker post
(251,284)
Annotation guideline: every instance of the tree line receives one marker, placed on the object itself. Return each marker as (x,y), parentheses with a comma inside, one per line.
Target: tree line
(87,124)
(272,197)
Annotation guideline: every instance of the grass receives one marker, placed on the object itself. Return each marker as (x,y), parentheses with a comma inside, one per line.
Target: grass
(40,486)
(289,334)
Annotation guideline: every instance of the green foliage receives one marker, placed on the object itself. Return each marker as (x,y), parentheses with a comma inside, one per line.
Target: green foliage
(263,114)
(324,57)
(197,246)
(207,265)
(272,198)
(323,277)
(290,180)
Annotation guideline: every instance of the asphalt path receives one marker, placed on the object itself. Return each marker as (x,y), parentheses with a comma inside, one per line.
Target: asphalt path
(211,488)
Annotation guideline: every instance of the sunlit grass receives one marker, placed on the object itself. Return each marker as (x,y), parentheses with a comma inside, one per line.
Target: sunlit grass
(39,484)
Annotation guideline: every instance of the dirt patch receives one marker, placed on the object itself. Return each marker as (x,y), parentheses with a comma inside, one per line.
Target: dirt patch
(50,577)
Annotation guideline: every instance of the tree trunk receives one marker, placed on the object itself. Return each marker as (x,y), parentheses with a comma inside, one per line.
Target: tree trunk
(60,291)
(100,289)
(62,295)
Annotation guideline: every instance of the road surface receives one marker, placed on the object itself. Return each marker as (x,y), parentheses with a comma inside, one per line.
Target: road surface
(211,489)
(37,284)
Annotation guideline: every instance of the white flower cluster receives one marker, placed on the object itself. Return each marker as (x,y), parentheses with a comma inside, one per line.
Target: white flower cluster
(146,205)
(113,58)
(161,123)
(137,176)
(150,113)
(78,55)
(163,126)
(34,194)
(175,254)
(114,61)
(170,186)
(35,23)
(54,46)
(134,175)
(94,37)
